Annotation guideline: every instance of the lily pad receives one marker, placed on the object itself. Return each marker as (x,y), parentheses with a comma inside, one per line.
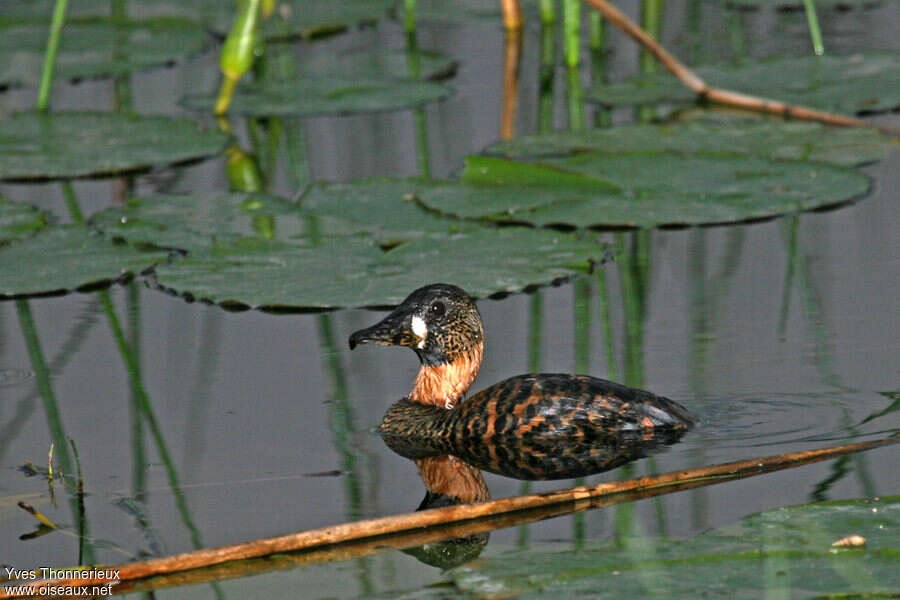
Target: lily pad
(351,271)
(792,140)
(328,95)
(849,84)
(96,47)
(77,144)
(786,552)
(462,11)
(199,221)
(43,9)
(380,208)
(61,259)
(660,188)
(381,64)
(797,5)
(312,18)
(18,221)
(384,208)
(294,18)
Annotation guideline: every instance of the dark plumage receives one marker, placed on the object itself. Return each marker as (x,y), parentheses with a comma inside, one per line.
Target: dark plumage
(542,426)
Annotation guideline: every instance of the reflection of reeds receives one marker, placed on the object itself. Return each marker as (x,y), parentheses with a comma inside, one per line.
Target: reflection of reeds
(413,65)
(797,271)
(362,538)
(511,58)
(54,425)
(342,431)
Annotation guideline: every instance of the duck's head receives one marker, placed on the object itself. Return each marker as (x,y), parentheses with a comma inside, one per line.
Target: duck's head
(440,322)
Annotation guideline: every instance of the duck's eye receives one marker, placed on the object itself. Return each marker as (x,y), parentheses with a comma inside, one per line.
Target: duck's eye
(437,309)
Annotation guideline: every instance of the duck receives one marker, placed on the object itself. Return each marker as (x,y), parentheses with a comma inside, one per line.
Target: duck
(530,426)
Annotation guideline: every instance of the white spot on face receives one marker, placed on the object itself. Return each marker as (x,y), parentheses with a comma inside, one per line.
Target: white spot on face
(420,329)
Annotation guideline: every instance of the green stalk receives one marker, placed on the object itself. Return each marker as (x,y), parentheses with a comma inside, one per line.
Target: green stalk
(788,276)
(414,68)
(548,12)
(42,378)
(612,371)
(651,22)
(576,100)
(54,420)
(139,466)
(341,421)
(597,35)
(59,17)
(72,203)
(535,330)
(134,376)
(572,31)
(82,519)
(237,51)
(814,32)
(118,9)
(545,78)
(295,153)
(409,16)
(582,324)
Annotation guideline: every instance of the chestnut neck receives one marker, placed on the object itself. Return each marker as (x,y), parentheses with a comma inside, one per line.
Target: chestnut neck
(446,384)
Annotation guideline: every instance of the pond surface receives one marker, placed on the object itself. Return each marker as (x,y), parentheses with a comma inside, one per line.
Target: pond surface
(780,336)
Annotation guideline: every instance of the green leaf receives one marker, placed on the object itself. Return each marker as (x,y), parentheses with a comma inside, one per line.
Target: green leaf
(61,259)
(96,47)
(485,170)
(312,18)
(378,207)
(198,221)
(18,221)
(791,140)
(462,11)
(352,271)
(660,188)
(385,208)
(333,95)
(797,5)
(848,84)
(786,552)
(377,65)
(77,144)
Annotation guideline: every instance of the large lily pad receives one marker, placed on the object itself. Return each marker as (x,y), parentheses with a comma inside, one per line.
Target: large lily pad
(200,221)
(848,84)
(657,189)
(18,221)
(61,259)
(462,11)
(352,271)
(294,19)
(381,208)
(312,18)
(786,553)
(797,5)
(384,208)
(76,144)
(357,81)
(96,47)
(328,95)
(794,140)
(368,64)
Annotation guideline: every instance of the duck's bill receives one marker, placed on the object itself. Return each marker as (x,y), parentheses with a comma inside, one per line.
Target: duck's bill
(393,330)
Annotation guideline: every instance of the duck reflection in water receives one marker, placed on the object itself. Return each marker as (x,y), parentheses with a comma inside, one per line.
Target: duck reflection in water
(536,426)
